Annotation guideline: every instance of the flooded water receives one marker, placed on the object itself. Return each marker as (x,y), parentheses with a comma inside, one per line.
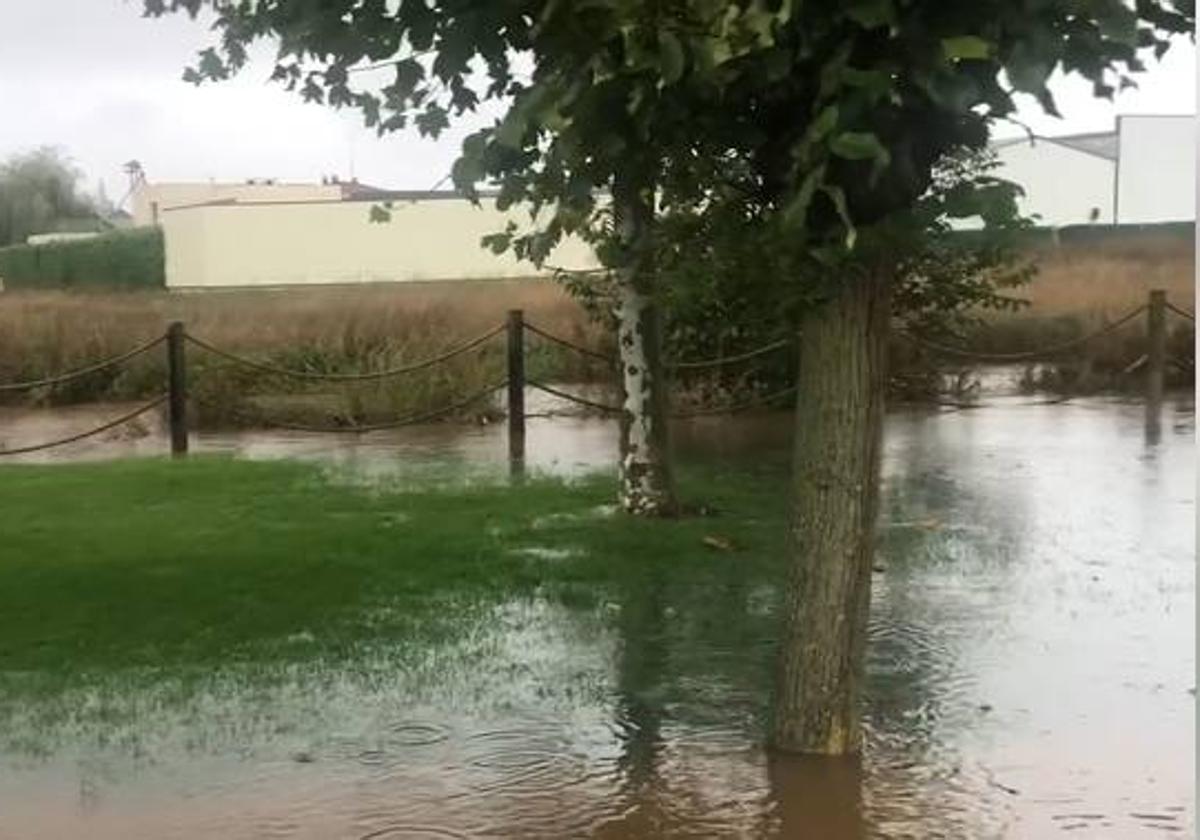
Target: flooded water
(1031,670)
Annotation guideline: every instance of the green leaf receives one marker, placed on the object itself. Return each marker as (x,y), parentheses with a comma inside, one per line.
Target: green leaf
(1118,23)
(711,53)
(379,214)
(671,57)
(859,145)
(432,121)
(825,122)
(777,64)
(877,83)
(466,172)
(871,14)
(409,74)
(511,129)
(838,197)
(796,211)
(1027,73)
(497,243)
(635,99)
(967,47)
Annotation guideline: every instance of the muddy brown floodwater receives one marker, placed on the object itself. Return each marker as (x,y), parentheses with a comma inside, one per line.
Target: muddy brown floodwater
(1030,676)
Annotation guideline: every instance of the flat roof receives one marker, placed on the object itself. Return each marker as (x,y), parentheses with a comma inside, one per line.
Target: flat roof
(373,197)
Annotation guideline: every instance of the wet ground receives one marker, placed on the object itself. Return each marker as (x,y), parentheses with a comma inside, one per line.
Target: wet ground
(1031,669)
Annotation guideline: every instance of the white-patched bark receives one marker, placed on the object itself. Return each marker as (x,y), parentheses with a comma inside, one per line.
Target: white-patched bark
(646,485)
(639,461)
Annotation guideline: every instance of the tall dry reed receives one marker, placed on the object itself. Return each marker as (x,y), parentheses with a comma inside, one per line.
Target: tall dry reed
(327,330)
(1104,279)
(356,328)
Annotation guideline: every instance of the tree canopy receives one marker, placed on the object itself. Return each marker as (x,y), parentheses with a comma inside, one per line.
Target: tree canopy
(843,109)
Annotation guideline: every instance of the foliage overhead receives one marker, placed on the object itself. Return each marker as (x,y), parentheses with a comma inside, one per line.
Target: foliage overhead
(730,282)
(841,108)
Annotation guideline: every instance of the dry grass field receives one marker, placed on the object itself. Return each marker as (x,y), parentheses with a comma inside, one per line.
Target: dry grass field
(328,330)
(1107,278)
(1080,285)
(61,330)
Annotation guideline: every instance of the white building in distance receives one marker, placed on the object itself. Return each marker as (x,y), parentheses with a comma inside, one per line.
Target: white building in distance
(265,233)
(1142,172)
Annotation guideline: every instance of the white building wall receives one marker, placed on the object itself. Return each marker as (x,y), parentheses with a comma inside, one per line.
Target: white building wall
(1063,186)
(1156,177)
(280,244)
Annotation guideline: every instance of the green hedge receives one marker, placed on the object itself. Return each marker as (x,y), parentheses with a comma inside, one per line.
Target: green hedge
(1096,234)
(130,259)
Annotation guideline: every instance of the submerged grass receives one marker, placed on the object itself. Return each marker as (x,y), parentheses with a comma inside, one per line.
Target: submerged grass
(211,562)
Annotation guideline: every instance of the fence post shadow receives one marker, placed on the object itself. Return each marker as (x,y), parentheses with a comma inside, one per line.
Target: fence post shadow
(1156,363)
(516,393)
(177,389)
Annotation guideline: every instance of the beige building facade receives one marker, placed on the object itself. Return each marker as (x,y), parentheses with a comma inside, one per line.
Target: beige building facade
(430,236)
(150,200)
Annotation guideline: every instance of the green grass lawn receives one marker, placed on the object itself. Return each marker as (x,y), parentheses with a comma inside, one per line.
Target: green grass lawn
(209,562)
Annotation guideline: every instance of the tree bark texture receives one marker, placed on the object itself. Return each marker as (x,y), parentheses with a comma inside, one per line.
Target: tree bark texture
(839,418)
(647,487)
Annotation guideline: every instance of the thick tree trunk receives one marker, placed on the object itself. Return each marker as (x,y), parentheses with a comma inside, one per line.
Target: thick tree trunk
(647,488)
(839,417)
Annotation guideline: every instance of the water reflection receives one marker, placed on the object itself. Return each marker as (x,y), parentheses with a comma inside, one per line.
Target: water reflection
(1030,663)
(816,798)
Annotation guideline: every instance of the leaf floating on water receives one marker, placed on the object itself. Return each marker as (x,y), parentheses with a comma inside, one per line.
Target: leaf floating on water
(718,543)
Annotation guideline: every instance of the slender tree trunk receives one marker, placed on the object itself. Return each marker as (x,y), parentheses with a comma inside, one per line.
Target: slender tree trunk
(647,488)
(839,417)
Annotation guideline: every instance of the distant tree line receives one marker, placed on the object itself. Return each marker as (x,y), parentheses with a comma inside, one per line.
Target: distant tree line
(39,193)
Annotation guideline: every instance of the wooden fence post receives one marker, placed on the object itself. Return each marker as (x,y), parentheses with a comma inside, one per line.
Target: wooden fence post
(516,389)
(177,389)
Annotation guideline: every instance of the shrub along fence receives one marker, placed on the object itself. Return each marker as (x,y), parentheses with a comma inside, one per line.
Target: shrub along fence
(127,259)
(516,331)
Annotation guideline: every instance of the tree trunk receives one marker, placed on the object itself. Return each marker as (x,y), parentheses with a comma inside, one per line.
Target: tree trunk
(839,418)
(647,488)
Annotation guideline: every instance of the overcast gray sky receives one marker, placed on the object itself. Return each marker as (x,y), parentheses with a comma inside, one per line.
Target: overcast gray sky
(94,78)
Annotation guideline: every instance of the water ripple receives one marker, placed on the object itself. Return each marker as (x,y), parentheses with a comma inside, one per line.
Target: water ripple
(413,832)
(417,734)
